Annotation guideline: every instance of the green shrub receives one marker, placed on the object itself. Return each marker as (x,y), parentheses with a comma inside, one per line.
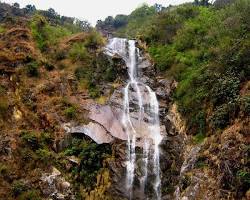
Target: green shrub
(46,138)
(83,72)
(45,156)
(17,188)
(31,139)
(163,56)
(92,156)
(2,29)
(94,40)
(30,195)
(244,176)
(32,69)
(46,35)
(220,118)
(78,52)
(245,105)
(110,74)
(94,91)
(199,138)
(3,169)
(225,89)
(70,112)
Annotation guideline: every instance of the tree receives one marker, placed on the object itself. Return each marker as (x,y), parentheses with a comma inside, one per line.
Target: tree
(83,24)
(30,9)
(120,20)
(16,5)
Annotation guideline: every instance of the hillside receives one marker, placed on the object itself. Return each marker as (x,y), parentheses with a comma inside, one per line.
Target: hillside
(46,72)
(205,49)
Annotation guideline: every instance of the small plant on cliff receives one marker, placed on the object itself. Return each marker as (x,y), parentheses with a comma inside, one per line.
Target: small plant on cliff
(32,69)
(2,29)
(30,195)
(18,187)
(70,112)
(3,169)
(44,155)
(78,52)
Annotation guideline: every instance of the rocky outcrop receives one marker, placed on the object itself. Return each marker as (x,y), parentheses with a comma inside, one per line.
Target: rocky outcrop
(55,186)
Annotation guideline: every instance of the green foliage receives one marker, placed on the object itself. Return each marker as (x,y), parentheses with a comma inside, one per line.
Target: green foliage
(46,138)
(70,112)
(78,52)
(2,29)
(31,139)
(45,34)
(18,187)
(137,21)
(30,195)
(92,156)
(32,69)
(94,40)
(163,56)
(244,176)
(101,70)
(199,138)
(205,50)
(3,169)
(245,105)
(45,156)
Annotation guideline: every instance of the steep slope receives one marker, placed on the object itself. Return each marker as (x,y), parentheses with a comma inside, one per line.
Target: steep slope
(205,49)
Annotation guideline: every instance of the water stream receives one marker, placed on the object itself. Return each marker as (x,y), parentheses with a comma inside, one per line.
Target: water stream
(144,129)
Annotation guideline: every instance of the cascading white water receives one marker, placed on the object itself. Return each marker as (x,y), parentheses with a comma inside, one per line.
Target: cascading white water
(135,128)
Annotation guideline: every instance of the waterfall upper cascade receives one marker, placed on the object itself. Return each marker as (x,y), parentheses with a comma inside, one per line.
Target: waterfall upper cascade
(140,103)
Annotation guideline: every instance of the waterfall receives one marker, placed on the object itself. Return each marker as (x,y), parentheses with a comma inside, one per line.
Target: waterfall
(144,128)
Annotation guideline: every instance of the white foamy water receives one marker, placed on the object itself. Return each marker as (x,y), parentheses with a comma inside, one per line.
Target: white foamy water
(150,135)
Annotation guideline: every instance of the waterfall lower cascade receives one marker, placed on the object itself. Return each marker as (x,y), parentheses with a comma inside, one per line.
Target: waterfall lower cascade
(140,120)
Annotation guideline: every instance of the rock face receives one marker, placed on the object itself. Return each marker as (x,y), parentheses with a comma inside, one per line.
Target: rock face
(106,126)
(54,186)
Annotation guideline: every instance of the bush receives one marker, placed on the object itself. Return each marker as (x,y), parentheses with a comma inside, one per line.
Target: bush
(46,35)
(220,118)
(46,138)
(245,105)
(3,169)
(18,187)
(244,176)
(44,155)
(70,112)
(31,139)
(92,156)
(2,29)
(30,195)
(94,40)
(32,69)
(78,52)
(94,92)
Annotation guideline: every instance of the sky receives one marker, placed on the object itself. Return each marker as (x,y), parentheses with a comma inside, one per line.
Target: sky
(92,10)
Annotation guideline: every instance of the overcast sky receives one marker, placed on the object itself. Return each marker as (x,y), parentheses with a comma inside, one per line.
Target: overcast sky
(92,10)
